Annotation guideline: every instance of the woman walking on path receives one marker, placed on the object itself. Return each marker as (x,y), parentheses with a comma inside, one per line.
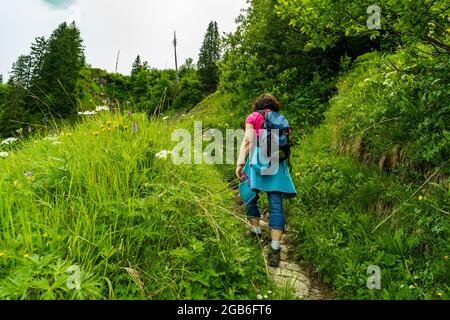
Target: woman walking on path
(277,186)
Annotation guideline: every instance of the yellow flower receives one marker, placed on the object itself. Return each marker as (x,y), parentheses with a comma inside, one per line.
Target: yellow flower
(26,255)
(68,134)
(116,126)
(440,294)
(297,174)
(96,133)
(2,254)
(108,122)
(446,258)
(231,114)
(448,30)
(421,198)
(109,130)
(45,235)
(125,127)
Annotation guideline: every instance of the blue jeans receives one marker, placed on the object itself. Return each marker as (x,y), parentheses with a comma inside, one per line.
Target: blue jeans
(277,220)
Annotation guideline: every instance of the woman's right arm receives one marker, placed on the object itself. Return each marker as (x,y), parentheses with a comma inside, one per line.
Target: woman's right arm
(246,146)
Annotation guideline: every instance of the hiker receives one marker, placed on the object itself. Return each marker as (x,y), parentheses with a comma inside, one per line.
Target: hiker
(277,186)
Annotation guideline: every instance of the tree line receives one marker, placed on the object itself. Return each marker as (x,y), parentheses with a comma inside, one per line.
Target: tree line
(53,82)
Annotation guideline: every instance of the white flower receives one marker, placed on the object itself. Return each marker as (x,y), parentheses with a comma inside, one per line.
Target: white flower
(259,297)
(9,141)
(165,118)
(265,296)
(389,74)
(51,138)
(4,154)
(387,83)
(57,142)
(367,80)
(87,113)
(102,108)
(163,154)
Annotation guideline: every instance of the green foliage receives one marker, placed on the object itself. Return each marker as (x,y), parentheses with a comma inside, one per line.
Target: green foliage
(394,110)
(266,54)
(334,220)
(402,22)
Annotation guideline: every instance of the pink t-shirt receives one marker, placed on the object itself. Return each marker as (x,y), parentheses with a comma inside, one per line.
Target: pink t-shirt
(256,119)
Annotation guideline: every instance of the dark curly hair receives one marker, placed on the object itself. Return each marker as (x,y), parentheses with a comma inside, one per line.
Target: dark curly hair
(267,101)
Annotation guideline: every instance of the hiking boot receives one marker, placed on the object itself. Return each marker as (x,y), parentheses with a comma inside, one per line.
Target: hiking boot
(274,258)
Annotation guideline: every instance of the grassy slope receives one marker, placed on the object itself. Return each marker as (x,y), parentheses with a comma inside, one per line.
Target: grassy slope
(137,226)
(357,169)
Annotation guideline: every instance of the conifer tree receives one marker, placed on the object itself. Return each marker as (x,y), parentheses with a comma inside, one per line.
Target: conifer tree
(208,58)
(61,68)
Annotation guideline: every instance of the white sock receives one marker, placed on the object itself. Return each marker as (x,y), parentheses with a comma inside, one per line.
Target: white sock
(256,230)
(276,245)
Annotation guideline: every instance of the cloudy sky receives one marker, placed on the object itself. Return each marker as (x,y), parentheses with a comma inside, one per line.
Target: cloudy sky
(134,27)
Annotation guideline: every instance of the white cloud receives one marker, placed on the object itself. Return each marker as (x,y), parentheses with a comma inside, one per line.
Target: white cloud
(132,26)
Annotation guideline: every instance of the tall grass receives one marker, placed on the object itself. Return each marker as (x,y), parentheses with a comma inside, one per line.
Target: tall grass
(136,226)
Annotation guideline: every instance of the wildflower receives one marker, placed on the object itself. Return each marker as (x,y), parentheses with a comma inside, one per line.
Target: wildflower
(297,174)
(68,134)
(445,257)
(259,297)
(102,108)
(421,198)
(448,30)
(51,138)
(26,255)
(231,114)
(9,141)
(125,127)
(45,235)
(265,296)
(2,254)
(29,173)
(108,123)
(57,142)
(163,154)
(165,118)
(4,154)
(387,83)
(115,126)
(96,133)
(135,127)
(269,292)
(440,294)
(129,114)
(20,131)
(87,113)
(109,129)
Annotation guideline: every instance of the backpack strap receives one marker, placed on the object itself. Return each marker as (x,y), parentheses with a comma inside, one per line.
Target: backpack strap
(265,116)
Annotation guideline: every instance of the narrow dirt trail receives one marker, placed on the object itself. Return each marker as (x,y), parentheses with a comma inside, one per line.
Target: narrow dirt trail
(289,275)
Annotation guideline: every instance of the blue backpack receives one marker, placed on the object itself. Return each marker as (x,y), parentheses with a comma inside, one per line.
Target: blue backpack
(274,120)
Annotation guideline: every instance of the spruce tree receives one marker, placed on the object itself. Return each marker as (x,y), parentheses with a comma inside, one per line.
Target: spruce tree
(208,58)
(21,72)
(61,68)
(137,66)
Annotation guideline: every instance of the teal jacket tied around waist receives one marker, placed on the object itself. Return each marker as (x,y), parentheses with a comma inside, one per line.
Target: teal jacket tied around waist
(255,182)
